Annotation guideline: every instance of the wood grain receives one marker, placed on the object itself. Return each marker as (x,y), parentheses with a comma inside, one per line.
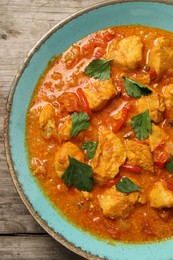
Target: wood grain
(22,24)
(33,247)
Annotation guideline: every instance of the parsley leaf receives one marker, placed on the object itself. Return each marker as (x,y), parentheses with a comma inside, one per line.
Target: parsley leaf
(126,185)
(136,89)
(78,174)
(99,69)
(80,121)
(141,125)
(169,165)
(91,148)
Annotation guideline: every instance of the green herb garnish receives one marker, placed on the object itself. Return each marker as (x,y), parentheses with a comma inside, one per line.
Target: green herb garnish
(141,125)
(136,89)
(99,69)
(80,122)
(91,148)
(78,174)
(169,165)
(126,185)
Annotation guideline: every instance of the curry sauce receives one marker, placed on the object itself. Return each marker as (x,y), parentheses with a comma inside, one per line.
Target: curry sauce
(100,133)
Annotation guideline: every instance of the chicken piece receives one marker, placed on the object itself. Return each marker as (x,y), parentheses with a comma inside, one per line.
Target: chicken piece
(63,133)
(158,136)
(61,157)
(156,105)
(168,94)
(47,121)
(87,195)
(142,198)
(98,93)
(139,154)
(117,204)
(161,56)
(160,196)
(126,53)
(109,156)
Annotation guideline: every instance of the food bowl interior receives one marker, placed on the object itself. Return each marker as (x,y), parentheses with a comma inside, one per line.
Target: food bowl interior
(56,41)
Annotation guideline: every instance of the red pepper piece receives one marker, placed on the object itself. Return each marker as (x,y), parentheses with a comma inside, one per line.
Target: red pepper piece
(121,121)
(113,182)
(131,168)
(84,101)
(162,159)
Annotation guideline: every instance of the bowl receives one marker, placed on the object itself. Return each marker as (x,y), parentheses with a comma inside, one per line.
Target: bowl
(99,16)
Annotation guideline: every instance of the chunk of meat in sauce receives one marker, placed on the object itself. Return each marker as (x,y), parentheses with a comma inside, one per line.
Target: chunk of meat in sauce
(156,105)
(117,204)
(139,154)
(127,53)
(61,157)
(157,137)
(161,56)
(64,128)
(47,121)
(98,93)
(168,94)
(110,155)
(160,196)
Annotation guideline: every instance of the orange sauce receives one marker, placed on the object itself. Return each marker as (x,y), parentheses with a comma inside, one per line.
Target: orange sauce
(65,74)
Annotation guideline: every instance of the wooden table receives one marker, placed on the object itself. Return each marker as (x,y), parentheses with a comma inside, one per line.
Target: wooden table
(22,23)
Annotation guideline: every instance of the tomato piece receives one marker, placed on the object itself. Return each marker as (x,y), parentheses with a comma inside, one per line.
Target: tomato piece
(84,101)
(87,50)
(131,168)
(108,36)
(99,53)
(99,41)
(121,121)
(162,159)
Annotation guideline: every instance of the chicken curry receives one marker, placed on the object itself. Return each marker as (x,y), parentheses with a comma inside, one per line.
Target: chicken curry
(100,133)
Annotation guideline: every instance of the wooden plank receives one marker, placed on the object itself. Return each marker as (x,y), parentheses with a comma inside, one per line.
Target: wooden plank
(34,247)
(22,24)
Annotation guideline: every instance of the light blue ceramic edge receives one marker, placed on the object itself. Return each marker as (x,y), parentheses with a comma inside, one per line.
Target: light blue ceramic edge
(152,14)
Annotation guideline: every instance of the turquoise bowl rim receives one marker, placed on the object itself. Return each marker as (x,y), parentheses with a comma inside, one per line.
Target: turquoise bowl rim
(67,234)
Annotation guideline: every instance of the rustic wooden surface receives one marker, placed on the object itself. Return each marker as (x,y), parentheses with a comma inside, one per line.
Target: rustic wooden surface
(22,23)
